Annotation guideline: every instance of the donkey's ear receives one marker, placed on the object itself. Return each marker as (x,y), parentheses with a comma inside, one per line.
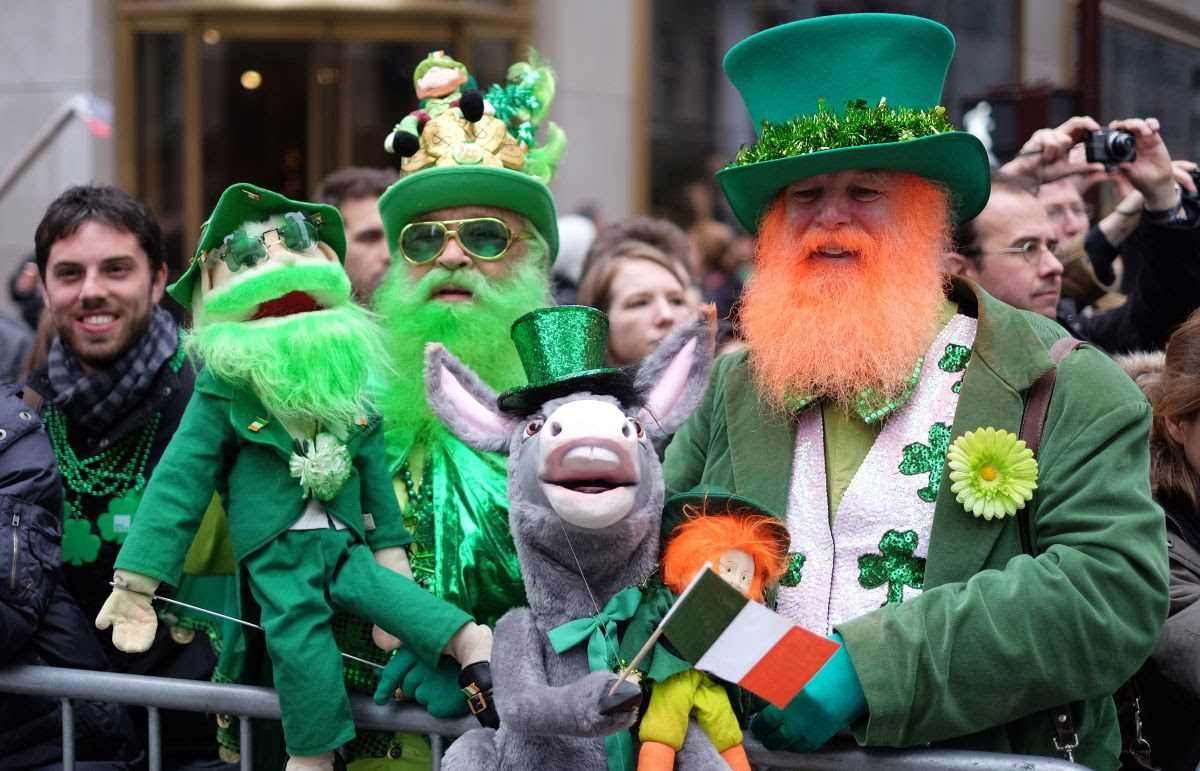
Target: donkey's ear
(465,403)
(673,378)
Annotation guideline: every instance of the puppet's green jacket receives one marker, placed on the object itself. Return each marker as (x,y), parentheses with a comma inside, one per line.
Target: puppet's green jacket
(227,441)
(997,637)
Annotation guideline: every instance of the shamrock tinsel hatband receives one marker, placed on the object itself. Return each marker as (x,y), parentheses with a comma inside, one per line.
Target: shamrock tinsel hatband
(887,71)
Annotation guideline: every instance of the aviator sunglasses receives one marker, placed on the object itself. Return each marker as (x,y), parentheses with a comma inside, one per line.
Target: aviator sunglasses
(242,250)
(483,238)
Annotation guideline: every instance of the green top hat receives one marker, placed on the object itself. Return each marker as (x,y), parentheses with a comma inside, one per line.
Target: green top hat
(242,202)
(716,500)
(562,351)
(444,186)
(788,74)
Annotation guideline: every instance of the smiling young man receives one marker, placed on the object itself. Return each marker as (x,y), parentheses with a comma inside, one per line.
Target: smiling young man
(865,370)
(112,394)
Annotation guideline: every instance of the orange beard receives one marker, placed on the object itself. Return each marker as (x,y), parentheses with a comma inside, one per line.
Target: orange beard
(834,329)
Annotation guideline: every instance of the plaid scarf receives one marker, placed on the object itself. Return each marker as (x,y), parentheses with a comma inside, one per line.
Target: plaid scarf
(96,402)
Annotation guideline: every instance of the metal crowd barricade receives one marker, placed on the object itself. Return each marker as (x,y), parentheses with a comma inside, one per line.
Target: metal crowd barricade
(251,702)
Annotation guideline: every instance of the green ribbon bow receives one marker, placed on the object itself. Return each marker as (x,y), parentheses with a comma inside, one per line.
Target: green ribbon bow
(600,631)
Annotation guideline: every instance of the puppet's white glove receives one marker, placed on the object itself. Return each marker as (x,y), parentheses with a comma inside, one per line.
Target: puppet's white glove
(395,559)
(472,642)
(130,613)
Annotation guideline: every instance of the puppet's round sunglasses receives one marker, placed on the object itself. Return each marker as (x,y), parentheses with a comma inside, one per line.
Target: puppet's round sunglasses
(240,249)
(483,238)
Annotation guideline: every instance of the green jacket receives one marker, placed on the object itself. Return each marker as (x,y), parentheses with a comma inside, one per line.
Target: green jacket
(216,448)
(997,637)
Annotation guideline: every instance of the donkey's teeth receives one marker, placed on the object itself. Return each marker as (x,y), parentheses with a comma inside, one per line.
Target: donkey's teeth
(590,457)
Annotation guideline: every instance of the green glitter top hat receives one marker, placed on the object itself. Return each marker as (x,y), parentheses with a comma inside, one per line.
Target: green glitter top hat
(715,500)
(562,351)
(240,203)
(886,71)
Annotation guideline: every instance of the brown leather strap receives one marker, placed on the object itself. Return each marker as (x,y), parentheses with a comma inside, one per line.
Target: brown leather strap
(1033,421)
(32,398)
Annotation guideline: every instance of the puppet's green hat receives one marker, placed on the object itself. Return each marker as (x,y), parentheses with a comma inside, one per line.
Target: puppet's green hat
(440,187)
(243,202)
(716,500)
(562,351)
(814,89)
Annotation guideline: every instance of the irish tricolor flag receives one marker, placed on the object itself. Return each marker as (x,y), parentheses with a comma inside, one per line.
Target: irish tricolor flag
(721,632)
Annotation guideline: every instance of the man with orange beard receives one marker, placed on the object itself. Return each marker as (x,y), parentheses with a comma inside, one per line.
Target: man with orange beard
(855,395)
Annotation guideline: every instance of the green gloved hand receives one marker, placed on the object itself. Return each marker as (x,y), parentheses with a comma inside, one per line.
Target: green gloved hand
(832,700)
(434,689)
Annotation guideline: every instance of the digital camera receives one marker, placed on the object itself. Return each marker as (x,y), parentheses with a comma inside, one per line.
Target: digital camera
(1110,147)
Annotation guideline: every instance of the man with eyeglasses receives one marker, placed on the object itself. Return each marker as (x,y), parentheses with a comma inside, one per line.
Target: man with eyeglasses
(1012,249)
(1155,226)
(281,425)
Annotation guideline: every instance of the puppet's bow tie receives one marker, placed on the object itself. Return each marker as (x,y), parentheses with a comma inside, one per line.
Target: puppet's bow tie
(599,630)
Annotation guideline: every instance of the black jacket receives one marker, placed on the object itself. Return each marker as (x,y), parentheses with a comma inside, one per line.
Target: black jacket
(1163,288)
(39,621)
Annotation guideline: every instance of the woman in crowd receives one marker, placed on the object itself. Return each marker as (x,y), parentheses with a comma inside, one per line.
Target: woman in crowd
(636,272)
(1168,686)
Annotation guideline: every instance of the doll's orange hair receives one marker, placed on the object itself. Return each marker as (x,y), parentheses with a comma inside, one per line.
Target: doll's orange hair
(704,535)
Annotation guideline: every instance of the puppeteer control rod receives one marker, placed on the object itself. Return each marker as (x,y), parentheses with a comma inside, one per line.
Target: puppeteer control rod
(227,618)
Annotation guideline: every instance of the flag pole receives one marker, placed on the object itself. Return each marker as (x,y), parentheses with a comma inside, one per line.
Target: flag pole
(641,654)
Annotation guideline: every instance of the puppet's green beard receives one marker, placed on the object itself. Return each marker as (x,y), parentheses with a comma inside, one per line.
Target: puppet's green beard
(475,331)
(307,366)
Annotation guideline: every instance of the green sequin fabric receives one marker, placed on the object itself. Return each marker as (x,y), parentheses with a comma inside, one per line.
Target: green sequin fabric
(867,405)
(791,576)
(828,130)
(929,459)
(955,359)
(894,565)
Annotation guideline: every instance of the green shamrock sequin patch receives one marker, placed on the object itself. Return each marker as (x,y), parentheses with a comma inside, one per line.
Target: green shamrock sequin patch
(79,543)
(114,524)
(791,576)
(895,565)
(955,359)
(918,458)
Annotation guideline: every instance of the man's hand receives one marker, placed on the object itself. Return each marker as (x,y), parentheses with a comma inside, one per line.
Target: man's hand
(434,689)
(129,612)
(395,559)
(1152,174)
(831,701)
(1047,156)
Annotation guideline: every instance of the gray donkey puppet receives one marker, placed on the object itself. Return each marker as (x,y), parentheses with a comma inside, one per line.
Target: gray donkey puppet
(585,503)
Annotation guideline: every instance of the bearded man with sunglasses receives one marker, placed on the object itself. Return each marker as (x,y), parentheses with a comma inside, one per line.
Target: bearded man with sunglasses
(280,425)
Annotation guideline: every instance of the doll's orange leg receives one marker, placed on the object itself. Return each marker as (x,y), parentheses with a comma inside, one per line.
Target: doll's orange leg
(656,756)
(735,756)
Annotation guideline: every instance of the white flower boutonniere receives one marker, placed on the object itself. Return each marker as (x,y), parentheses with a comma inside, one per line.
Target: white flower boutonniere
(322,466)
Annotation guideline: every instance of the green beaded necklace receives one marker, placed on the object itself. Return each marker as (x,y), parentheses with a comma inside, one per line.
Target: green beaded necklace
(419,521)
(114,472)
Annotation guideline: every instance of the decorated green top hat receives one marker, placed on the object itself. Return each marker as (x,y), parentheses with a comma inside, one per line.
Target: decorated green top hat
(519,183)
(797,80)
(716,500)
(562,351)
(242,202)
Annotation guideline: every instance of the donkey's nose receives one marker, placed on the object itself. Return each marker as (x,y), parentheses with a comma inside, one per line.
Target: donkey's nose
(590,457)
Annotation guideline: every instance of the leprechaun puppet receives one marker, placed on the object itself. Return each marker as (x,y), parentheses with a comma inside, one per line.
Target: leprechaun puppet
(280,426)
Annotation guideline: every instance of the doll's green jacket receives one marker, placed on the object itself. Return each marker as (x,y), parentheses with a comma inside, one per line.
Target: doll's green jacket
(229,442)
(997,637)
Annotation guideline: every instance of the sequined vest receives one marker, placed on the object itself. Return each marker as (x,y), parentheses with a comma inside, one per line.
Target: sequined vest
(874,553)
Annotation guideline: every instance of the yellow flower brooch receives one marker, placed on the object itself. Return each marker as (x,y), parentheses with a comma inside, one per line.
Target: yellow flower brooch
(993,473)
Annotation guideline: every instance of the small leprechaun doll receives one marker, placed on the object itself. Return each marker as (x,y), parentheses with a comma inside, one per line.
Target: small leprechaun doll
(280,426)
(747,546)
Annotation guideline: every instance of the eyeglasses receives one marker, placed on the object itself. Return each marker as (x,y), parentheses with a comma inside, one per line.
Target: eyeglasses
(484,238)
(1059,213)
(240,249)
(1031,250)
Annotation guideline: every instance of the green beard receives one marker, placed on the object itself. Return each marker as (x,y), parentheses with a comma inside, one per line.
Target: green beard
(307,366)
(475,331)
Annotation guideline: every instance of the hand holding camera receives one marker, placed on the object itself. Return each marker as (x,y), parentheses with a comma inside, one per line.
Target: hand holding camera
(1047,155)
(1149,169)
